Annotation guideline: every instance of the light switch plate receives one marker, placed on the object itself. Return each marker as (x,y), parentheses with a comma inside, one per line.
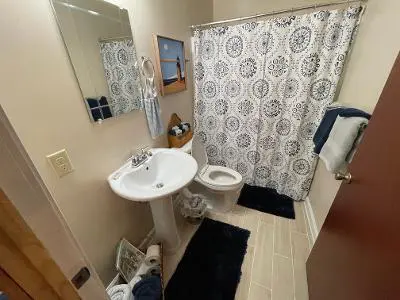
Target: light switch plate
(60,162)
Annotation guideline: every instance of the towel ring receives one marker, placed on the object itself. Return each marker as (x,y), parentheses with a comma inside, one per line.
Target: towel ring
(147,62)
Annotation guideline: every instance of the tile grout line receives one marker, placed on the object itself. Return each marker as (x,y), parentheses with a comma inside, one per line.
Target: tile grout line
(293,278)
(260,285)
(254,254)
(283,256)
(273,252)
(298,232)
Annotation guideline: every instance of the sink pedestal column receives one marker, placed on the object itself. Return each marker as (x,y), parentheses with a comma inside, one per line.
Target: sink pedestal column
(165,224)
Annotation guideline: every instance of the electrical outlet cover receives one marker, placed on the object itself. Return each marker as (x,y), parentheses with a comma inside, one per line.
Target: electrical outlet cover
(60,162)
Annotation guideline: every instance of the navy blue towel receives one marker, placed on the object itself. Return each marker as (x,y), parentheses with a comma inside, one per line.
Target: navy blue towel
(322,133)
(148,289)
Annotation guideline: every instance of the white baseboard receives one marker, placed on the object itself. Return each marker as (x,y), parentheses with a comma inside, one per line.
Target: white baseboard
(312,224)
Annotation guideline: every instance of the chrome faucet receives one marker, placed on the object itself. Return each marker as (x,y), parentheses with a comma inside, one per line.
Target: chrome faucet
(140,157)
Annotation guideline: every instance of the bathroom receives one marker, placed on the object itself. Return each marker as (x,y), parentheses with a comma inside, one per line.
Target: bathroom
(42,110)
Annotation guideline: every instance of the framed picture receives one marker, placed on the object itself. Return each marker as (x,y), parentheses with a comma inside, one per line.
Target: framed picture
(171,64)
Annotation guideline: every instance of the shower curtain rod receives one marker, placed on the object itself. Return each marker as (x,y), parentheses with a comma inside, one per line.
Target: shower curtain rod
(117,38)
(295,9)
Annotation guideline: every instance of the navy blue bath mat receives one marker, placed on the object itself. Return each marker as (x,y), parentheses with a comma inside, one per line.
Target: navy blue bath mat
(211,266)
(267,200)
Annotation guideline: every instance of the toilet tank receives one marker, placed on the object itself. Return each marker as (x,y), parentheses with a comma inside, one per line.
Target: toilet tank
(187,148)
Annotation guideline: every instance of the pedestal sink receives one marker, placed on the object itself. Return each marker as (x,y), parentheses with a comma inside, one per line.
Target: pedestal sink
(163,174)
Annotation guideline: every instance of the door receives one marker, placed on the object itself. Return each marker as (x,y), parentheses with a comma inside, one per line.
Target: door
(25,263)
(9,289)
(357,253)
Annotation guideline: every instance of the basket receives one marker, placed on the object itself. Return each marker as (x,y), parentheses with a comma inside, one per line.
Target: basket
(178,141)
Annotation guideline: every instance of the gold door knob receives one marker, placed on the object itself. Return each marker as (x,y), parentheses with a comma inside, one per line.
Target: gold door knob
(345,177)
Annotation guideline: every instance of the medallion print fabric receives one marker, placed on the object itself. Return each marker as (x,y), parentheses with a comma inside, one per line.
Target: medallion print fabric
(119,60)
(261,89)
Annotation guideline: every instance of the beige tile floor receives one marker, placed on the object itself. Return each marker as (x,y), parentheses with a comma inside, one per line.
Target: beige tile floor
(274,265)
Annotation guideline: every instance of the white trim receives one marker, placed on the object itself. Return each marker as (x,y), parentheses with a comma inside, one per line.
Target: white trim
(310,217)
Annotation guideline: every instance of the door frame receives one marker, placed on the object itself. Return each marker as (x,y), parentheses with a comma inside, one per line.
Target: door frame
(21,182)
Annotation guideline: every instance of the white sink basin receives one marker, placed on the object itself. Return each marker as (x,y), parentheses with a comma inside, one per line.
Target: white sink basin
(164,173)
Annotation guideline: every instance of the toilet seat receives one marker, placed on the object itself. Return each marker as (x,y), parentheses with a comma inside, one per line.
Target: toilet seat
(214,177)
(219,178)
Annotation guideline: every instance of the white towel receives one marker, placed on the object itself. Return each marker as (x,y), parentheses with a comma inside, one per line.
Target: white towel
(153,114)
(120,292)
(185,127)
(151,103)
(340,142)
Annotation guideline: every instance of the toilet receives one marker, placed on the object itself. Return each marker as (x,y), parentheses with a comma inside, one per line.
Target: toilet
(220,185)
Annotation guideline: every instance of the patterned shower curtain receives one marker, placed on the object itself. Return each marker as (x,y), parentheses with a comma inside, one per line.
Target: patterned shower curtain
(123,80)
(261,89)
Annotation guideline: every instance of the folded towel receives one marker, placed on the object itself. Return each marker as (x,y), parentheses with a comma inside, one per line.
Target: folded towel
(339,144)
(184,127)
(322,133)
(148,289)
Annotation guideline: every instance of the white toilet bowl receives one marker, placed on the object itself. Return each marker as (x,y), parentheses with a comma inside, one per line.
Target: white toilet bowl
(220,185)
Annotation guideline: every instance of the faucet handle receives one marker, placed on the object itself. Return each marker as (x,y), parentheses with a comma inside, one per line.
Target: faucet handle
(146,151)
(134,160)
(143,149)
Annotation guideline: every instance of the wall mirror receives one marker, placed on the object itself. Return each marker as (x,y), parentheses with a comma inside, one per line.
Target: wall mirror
(99,41)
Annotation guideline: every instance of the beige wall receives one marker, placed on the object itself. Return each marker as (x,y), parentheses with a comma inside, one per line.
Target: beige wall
(42,100)
(374,52)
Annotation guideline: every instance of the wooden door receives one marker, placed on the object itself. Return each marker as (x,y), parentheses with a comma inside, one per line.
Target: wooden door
(357,253)
(9,289)
(25,262)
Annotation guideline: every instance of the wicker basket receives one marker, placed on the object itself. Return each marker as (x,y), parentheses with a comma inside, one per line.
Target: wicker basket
(178,141)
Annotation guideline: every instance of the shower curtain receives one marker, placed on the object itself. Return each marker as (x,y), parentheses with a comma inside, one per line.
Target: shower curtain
(261,89)
(122,76)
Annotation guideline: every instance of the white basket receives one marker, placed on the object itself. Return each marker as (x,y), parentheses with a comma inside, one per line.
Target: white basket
(194,207)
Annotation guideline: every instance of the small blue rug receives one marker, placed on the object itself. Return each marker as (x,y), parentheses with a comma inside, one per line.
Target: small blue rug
(267,200)
(211,266)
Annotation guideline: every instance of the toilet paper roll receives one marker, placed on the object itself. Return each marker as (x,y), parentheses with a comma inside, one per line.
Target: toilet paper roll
(120,292)
(153,256)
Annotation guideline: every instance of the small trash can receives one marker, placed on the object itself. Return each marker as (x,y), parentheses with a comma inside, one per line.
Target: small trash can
(193,206)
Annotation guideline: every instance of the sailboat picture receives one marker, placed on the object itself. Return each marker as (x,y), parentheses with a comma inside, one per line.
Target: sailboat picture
(170,55)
